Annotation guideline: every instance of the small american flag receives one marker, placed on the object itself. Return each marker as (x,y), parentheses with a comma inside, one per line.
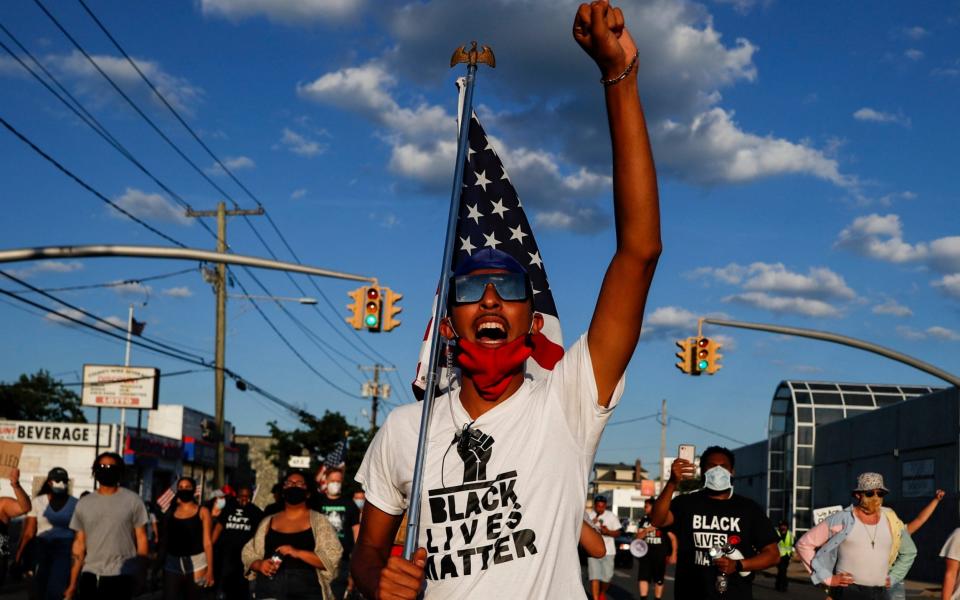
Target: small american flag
(491,215)
(166,498)
(337,459)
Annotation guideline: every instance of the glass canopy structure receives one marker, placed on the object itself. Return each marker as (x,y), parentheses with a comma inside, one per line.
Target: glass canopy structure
(797,408)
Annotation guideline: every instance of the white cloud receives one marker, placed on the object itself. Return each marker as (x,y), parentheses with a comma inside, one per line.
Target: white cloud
(724,153)
(298,193)
(819,282)
(935,332)
(876,116)
(892,307)
(778,304)
(674,322)
(943,333)
(300,144)
(178,292)
(131,288)
(286,12)
(555,119)
(743,6)
(179,92)
(880,237)
(60,316)
(233,163)
(949,285)
(48,266)
(913,54)
(149,206)
(915,33)
(113,320)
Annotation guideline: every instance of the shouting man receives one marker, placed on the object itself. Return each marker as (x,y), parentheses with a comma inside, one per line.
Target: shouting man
(509,458)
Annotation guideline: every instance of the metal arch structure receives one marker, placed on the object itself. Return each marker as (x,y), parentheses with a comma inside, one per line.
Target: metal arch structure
(162,252)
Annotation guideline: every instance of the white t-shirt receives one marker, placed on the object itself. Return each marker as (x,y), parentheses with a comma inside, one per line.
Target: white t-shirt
(951,550)
(608,520)
(505,522)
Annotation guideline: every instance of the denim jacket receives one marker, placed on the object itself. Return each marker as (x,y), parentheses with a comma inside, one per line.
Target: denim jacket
(819,547)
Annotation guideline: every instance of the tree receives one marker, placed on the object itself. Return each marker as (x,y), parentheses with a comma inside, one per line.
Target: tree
(319,437)
(39,397)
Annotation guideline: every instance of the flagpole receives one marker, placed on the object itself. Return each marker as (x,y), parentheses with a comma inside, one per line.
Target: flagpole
(126,363)
(466,113)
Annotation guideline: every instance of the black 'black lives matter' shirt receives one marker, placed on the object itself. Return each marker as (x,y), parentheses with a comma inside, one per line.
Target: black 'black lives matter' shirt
(700,523)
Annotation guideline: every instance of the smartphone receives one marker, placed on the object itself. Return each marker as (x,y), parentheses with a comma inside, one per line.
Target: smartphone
(687,452)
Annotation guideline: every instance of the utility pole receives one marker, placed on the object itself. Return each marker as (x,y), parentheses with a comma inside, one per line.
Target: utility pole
(663,440)
(220,287)
(375,390)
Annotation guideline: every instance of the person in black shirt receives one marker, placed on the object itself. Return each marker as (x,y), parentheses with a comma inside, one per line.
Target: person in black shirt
(661,546)
(343,515)
(710,518)
(235,526)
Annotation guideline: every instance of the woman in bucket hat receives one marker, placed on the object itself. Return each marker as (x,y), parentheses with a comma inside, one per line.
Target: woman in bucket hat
(858,552)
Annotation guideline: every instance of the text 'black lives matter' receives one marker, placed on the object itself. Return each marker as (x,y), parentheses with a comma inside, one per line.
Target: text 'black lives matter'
(475,526)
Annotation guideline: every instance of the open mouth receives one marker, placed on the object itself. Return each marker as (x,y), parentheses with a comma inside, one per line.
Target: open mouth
(491,332)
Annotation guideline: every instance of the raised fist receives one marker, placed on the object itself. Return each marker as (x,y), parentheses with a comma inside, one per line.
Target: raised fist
(474,449)
(600,31)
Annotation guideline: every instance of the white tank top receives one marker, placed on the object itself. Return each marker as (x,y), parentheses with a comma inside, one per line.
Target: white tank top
(865,553)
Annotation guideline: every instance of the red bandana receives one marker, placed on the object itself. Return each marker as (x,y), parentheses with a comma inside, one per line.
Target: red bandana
(492,368)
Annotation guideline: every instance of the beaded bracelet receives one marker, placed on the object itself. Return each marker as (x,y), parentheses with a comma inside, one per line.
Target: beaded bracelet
(621,76)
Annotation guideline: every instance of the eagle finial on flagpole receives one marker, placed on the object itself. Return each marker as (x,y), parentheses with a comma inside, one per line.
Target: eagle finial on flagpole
(473,56)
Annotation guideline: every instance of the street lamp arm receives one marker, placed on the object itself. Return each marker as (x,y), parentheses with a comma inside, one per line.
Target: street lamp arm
(100,250)
(844,340)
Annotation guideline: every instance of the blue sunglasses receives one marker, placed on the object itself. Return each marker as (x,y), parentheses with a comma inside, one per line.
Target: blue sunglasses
(511,287)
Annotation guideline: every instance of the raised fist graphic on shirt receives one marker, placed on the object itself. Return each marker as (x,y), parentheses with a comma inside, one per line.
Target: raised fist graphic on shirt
(475,451)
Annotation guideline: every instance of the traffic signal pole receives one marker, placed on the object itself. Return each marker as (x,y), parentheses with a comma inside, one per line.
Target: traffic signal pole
(838,339)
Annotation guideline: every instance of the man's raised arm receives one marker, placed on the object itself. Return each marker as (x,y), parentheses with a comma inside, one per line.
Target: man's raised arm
(615,328)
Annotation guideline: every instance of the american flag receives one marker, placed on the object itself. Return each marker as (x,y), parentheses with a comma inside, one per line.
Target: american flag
(166,498)
(336,459)
(491,215)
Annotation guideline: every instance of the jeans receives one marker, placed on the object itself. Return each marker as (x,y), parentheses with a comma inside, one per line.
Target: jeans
(858,592)
(897,591)
(52,570)
(781,584)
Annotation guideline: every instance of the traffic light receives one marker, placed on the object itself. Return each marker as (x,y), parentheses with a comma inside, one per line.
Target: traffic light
(359,296)
(372,308)
(708,356)
(390,308)
(685,355)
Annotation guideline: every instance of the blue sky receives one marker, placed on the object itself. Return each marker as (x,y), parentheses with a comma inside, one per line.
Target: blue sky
(806,153)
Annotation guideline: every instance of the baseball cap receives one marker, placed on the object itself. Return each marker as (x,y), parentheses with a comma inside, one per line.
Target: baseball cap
(489,258)
(600,498)
(58,474)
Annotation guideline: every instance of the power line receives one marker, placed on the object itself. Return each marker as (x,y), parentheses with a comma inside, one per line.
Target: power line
(710,431)
(88,314)
(230,173)
(634,420)
(162,376)
(86,117)
(86,185)
(247,384)
(110,284)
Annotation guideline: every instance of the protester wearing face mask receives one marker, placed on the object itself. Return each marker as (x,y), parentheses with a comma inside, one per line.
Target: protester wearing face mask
(47,533)
(235,526)
(295,554)
(859,552)
(186,545)
(344,516)
(715,516)
(110,546)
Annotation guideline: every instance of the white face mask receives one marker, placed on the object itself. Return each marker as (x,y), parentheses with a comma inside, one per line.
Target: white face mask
(358,502)
(333,488)
(717,479)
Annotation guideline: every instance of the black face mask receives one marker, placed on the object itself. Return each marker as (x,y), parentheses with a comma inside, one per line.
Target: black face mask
(185,495)
(107,475)
(294,495)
